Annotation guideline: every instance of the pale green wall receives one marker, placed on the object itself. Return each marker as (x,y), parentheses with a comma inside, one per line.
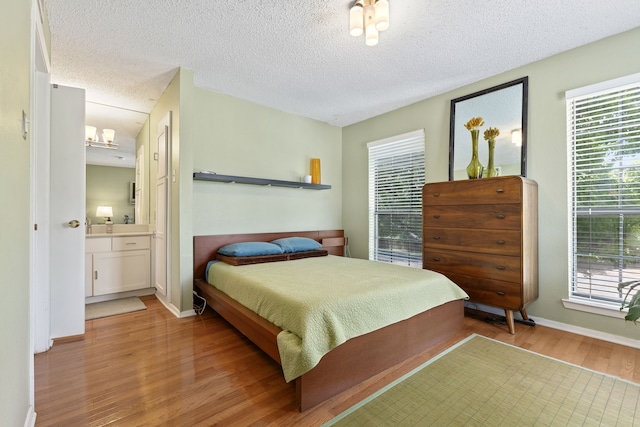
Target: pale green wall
(16,358)
(236,137)
(547,159)
(109,186)
(169,102)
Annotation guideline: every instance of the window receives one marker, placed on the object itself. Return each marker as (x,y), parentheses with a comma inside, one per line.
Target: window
(603,129)
(396,177)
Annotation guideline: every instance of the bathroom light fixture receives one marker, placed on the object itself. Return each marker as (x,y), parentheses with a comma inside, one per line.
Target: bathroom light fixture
(92,139)
(106,212)
(369,17)
(516,137)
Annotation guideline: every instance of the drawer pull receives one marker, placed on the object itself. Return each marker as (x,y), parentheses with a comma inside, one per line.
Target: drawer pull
(501,267)
(131,243)
(500,242)
(500,191)
(436,237)
(436,216)
(500,216)
(436,194)
(96,275)
(436,258)
(500,293)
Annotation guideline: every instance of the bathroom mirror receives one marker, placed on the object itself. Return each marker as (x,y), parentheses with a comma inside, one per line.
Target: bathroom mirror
(111,169)
(503,107)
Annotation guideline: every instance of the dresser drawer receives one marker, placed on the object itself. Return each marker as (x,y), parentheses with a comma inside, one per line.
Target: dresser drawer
(496,267)
(474,192)
(131,243)
(486,241)
(97,244)
(491,292)
(496,217)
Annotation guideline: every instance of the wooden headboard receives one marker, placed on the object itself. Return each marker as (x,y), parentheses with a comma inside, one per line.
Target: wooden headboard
(206,247)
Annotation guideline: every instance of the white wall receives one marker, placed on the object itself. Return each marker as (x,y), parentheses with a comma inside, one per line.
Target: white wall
(547,159)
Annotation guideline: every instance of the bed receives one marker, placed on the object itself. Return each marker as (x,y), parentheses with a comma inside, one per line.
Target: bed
(351,362)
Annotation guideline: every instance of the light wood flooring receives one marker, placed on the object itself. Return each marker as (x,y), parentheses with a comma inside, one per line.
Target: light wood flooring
(150,368)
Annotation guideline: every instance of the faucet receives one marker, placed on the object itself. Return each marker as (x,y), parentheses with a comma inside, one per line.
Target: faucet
(88,222)
(126,219)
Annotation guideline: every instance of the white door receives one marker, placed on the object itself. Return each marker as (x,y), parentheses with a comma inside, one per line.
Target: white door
(67,208)
(162,203)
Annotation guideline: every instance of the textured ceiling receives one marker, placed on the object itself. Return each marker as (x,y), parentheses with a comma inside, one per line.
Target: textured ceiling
(299,57)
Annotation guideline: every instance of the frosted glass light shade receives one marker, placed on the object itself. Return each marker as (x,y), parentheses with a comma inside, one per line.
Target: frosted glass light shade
(382,15)
(516,137)
(355,21)
(90,133)
(371,35)
(370,31)
(108,135)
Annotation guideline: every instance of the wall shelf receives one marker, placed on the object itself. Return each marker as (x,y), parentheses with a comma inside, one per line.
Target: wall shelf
(230,179)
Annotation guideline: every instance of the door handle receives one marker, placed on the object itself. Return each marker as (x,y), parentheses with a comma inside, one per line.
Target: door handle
(74,223)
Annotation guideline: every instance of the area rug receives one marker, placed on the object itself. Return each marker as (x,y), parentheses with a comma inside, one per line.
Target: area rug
(482,382)
(113,307)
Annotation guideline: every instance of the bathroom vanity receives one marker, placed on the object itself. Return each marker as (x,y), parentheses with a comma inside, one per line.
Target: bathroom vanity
(117,262)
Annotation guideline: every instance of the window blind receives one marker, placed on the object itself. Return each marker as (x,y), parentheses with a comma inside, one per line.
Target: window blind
(603,126)
(396,177)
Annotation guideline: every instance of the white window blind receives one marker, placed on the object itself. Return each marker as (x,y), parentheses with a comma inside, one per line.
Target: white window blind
(396,177)
(603,126)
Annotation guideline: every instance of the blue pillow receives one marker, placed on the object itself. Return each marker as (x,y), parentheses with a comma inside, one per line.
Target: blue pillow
(250,249)
(297,244)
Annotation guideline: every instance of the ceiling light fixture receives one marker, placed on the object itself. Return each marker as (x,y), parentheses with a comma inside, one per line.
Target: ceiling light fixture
(369,17)
(92,139)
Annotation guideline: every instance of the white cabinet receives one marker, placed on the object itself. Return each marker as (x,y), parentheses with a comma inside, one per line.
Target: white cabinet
(117,264)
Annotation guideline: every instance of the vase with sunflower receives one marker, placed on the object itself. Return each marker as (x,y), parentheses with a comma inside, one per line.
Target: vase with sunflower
(490,136)
(475,168)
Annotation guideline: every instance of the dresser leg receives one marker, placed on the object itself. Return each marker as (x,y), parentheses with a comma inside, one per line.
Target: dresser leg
(510,322)
(523,312)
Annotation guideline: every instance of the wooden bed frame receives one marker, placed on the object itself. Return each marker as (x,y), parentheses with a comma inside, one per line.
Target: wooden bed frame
(352,362)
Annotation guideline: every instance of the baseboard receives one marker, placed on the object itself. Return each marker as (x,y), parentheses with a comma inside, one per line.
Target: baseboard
(188,313)
(109,297)
(616,339)
(30,420)
(604,336)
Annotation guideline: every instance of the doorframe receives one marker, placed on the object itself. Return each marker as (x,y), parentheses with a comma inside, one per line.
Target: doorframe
(39,285)
(165,123)
(39,183)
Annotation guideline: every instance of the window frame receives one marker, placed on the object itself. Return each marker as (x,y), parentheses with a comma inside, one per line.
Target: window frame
(576,99)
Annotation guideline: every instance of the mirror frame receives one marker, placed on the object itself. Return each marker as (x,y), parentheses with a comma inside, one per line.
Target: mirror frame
(457,122)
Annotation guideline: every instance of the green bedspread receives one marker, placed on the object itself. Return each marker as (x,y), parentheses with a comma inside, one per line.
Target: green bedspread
(319,303)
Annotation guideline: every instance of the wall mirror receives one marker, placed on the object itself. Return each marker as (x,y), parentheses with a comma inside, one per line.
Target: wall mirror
(503,107)
(111,171)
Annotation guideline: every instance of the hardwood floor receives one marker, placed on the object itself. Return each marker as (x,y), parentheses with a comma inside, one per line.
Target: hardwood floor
(150,368)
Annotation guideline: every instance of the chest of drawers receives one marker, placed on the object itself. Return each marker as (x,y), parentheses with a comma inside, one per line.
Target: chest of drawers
(483,235)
